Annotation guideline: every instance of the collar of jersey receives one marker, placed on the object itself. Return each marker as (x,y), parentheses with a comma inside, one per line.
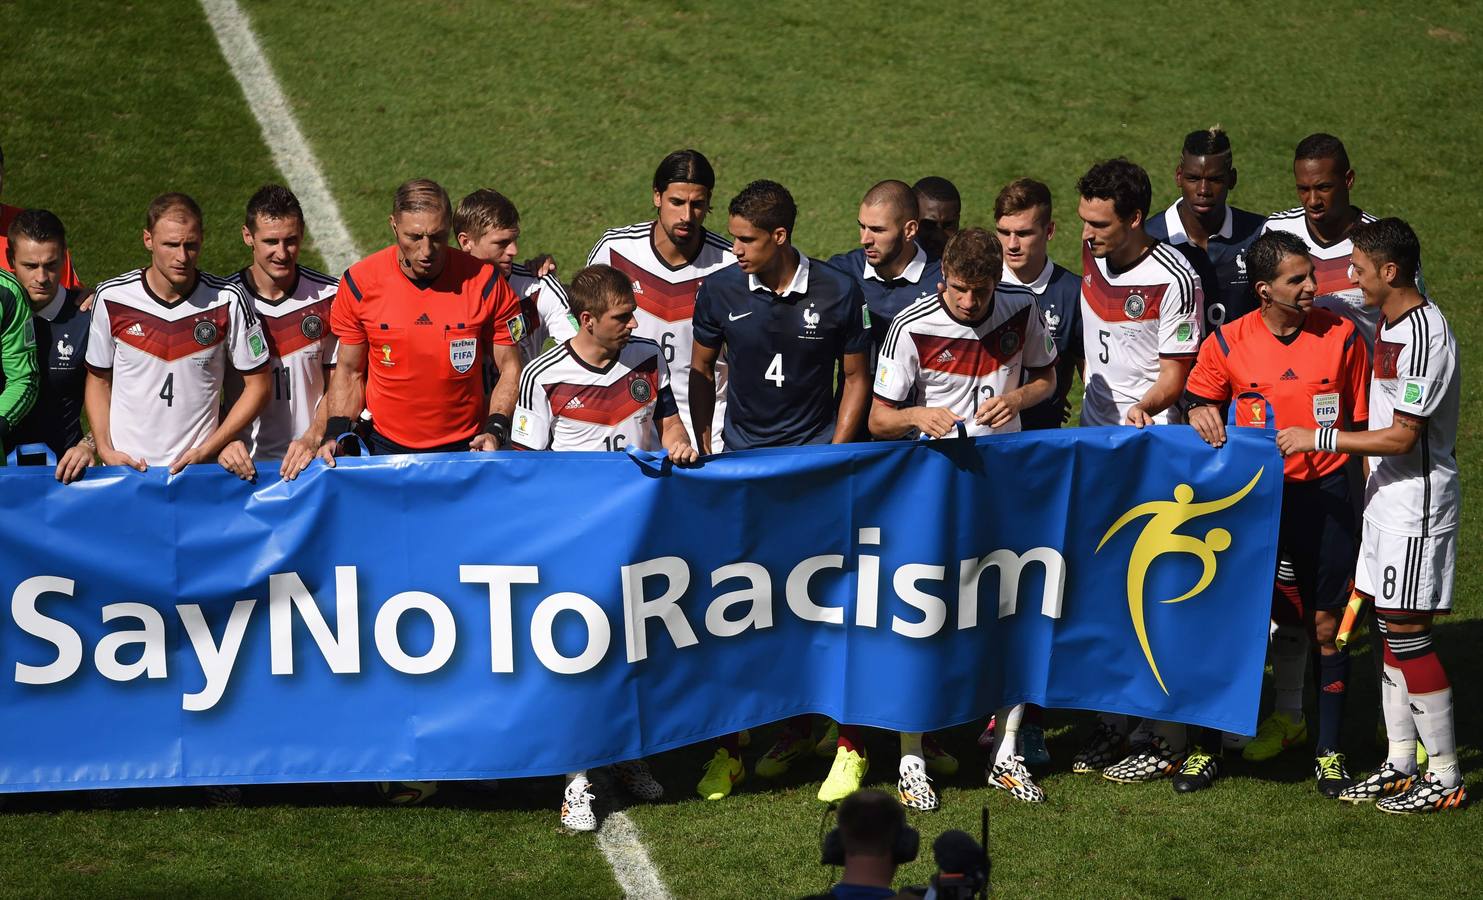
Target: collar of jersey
(50,311)
(799,284)
(1038,286)
(912,272)
(1175,226)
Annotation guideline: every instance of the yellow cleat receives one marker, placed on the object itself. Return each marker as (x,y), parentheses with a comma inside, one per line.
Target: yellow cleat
(844,776)
(824,749)
(1276,733)
(722,773)
(779,758)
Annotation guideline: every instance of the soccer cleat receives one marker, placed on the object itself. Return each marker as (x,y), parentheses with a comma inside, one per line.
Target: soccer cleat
(1198,772)
(939,762)
(986,739)
(1387,781)
(576,807)
(1012,776)
(637,779)
(1032,746)
(1147,761)
(1425,796)
(1102,749)
(1332,776)
(915,789)
(744,737)
(781,755)
(844,776)
(722,773)
(827,744)
(1276,733)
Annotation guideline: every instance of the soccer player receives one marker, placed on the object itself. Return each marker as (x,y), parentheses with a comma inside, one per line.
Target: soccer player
(293,302)
(18,376)
(36,253)
(415,321)
(158,348)
(1213,234)
(961,357)
(1412,511)
(785,321)
(1324,221)
(1025,225)
(487,226)
(891,270)
(601,390)
(1141,304)
(939,209)
(8,213)
(667,260)
(1311,366)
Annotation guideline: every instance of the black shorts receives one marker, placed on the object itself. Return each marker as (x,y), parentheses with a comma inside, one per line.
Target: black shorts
(380,445)
(1318,532)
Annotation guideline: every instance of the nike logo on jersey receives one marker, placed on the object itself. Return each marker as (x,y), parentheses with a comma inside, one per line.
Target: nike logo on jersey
(135,330)
(733,316)
(1289,375)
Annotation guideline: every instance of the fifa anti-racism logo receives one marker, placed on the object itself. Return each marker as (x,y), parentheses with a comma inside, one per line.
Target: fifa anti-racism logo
(1159,537)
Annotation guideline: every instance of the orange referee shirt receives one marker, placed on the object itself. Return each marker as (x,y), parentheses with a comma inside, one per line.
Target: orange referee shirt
(428,341)
(1321,378)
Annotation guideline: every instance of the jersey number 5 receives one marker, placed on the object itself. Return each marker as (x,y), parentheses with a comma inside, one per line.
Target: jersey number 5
(775,370)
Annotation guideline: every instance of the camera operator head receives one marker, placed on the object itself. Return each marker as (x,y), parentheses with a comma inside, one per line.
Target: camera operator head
(871,840)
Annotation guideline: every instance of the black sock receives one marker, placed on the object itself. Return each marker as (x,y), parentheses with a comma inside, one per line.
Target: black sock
(1333,673)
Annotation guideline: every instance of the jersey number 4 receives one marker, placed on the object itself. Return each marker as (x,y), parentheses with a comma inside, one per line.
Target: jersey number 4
(167,390)
(774,371)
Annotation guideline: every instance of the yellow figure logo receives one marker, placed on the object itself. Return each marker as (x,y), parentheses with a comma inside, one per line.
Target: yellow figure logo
(1158,537)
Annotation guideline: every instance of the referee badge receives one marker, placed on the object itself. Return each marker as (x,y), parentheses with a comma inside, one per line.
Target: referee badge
(312,326)
(205,332)
(462,352)
(640,390)
(516,324)
(1133,306)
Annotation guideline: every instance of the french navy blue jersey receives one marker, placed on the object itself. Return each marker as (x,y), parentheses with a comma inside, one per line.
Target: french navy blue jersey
(1221,265)
(781,350)
(61,345)
(1057,292)
(886,298)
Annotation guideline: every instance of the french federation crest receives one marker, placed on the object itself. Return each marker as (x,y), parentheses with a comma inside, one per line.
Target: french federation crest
(640,390)
(205,332)
(461,353)
(1133,306)
(312,327)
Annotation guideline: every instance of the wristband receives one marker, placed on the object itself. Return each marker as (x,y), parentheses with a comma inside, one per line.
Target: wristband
(499,426)
(336,426)
(1327,439)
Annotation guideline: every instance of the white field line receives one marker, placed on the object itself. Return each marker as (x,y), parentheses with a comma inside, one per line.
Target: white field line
(618,839)
(291,153)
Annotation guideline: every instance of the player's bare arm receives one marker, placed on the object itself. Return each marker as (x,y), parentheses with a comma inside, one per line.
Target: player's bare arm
(999,411)
(890,422)
(1396,440)
(854,401)
(97,397)
(302,451)
(502,398)
(345,398)
(703,393)
(1209,424)
(1167,388)
(223,445)
(677,440)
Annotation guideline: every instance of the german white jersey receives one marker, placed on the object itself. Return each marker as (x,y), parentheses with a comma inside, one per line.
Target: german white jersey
(666,303)
(1336,292)
(544,310)
(300,346)
(931,359)
(1416,373)
(1130,320)
(566,404)
(169,360)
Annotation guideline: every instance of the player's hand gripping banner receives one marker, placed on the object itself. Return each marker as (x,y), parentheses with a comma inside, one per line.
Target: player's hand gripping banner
(483,616)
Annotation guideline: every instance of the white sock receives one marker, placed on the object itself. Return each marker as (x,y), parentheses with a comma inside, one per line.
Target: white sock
(1174,734)
(573,776)
(1006,732)
(1432,714)
(911,751)
(1400,728)
(1289,666)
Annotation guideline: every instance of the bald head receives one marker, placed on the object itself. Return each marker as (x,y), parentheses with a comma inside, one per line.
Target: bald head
(895,195)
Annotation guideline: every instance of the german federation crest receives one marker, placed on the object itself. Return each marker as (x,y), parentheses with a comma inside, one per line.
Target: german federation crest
(205,332)
(312,327)
(461,353)
(1133,306)
(640,390)
(1009,342)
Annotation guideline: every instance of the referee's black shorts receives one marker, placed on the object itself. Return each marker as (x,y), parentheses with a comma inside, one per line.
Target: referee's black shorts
(381,445)
(1318,531)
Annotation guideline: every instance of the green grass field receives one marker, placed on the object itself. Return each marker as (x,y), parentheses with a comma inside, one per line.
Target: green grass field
(567,107)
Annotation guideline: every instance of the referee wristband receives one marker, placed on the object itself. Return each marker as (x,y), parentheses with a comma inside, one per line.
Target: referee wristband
(336,426)
(1327,439)
(499,426)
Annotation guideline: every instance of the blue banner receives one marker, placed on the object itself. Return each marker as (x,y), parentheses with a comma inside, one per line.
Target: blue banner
(513,614)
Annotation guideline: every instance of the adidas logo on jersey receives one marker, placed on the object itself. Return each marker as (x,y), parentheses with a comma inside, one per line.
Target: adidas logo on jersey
(638,288)
(135,330)
(575,403)
(1289,375)
(423,320)
(945,356)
